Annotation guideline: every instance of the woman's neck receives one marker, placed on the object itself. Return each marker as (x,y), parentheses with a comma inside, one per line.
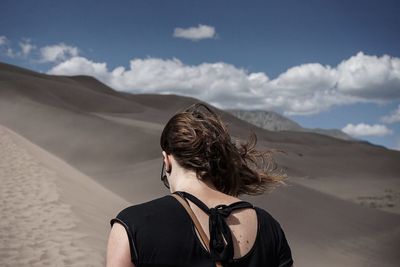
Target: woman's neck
(189,182)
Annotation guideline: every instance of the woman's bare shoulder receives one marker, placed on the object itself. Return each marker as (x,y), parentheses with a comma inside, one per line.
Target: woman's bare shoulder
(118,251)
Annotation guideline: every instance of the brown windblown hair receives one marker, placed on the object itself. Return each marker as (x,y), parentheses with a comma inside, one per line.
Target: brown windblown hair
(199,141)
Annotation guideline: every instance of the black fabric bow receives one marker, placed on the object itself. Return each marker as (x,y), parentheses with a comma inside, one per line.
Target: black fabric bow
(219,229)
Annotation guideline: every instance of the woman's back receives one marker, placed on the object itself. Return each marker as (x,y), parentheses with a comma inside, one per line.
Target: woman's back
(242,222)
(161,233)
(200,157)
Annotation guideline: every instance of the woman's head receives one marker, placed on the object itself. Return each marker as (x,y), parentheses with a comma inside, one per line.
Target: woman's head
(199,141)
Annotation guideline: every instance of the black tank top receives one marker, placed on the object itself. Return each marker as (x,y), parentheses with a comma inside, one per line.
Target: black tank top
(161,233)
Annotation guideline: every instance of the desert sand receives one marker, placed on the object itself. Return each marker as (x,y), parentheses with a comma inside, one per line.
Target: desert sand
(52,215)
(73,147)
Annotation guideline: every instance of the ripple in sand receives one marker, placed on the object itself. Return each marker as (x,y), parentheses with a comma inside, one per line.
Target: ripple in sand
(36,228)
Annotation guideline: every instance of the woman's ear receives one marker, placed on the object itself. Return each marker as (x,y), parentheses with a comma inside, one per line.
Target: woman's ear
(167,162)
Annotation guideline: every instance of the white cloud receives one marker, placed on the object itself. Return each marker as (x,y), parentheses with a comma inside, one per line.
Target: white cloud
(5,47)
(363,129)
(370,77)
(302,90)
(51,53)
(3,40)
(195,33)
(58,52)
(10,53)
(207,80)
(393,117)
(82,66)
(26,47)
(311,77)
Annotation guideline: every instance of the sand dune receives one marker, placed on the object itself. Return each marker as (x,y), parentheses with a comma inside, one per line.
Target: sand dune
(325,230)
(52,215)
(74,148)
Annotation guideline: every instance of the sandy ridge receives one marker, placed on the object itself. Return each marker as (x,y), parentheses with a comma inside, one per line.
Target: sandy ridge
(39,226)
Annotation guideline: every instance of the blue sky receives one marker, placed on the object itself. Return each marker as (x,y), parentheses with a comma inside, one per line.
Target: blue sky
(326,64)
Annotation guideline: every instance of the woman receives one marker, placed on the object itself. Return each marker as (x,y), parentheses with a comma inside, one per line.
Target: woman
(202,165)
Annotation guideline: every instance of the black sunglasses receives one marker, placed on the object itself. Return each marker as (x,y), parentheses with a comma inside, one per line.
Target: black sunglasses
(164,176)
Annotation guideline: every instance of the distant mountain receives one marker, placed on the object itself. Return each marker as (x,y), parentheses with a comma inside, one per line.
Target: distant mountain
(273,121)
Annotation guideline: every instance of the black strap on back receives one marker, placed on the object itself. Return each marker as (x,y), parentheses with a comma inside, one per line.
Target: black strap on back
(219,229)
